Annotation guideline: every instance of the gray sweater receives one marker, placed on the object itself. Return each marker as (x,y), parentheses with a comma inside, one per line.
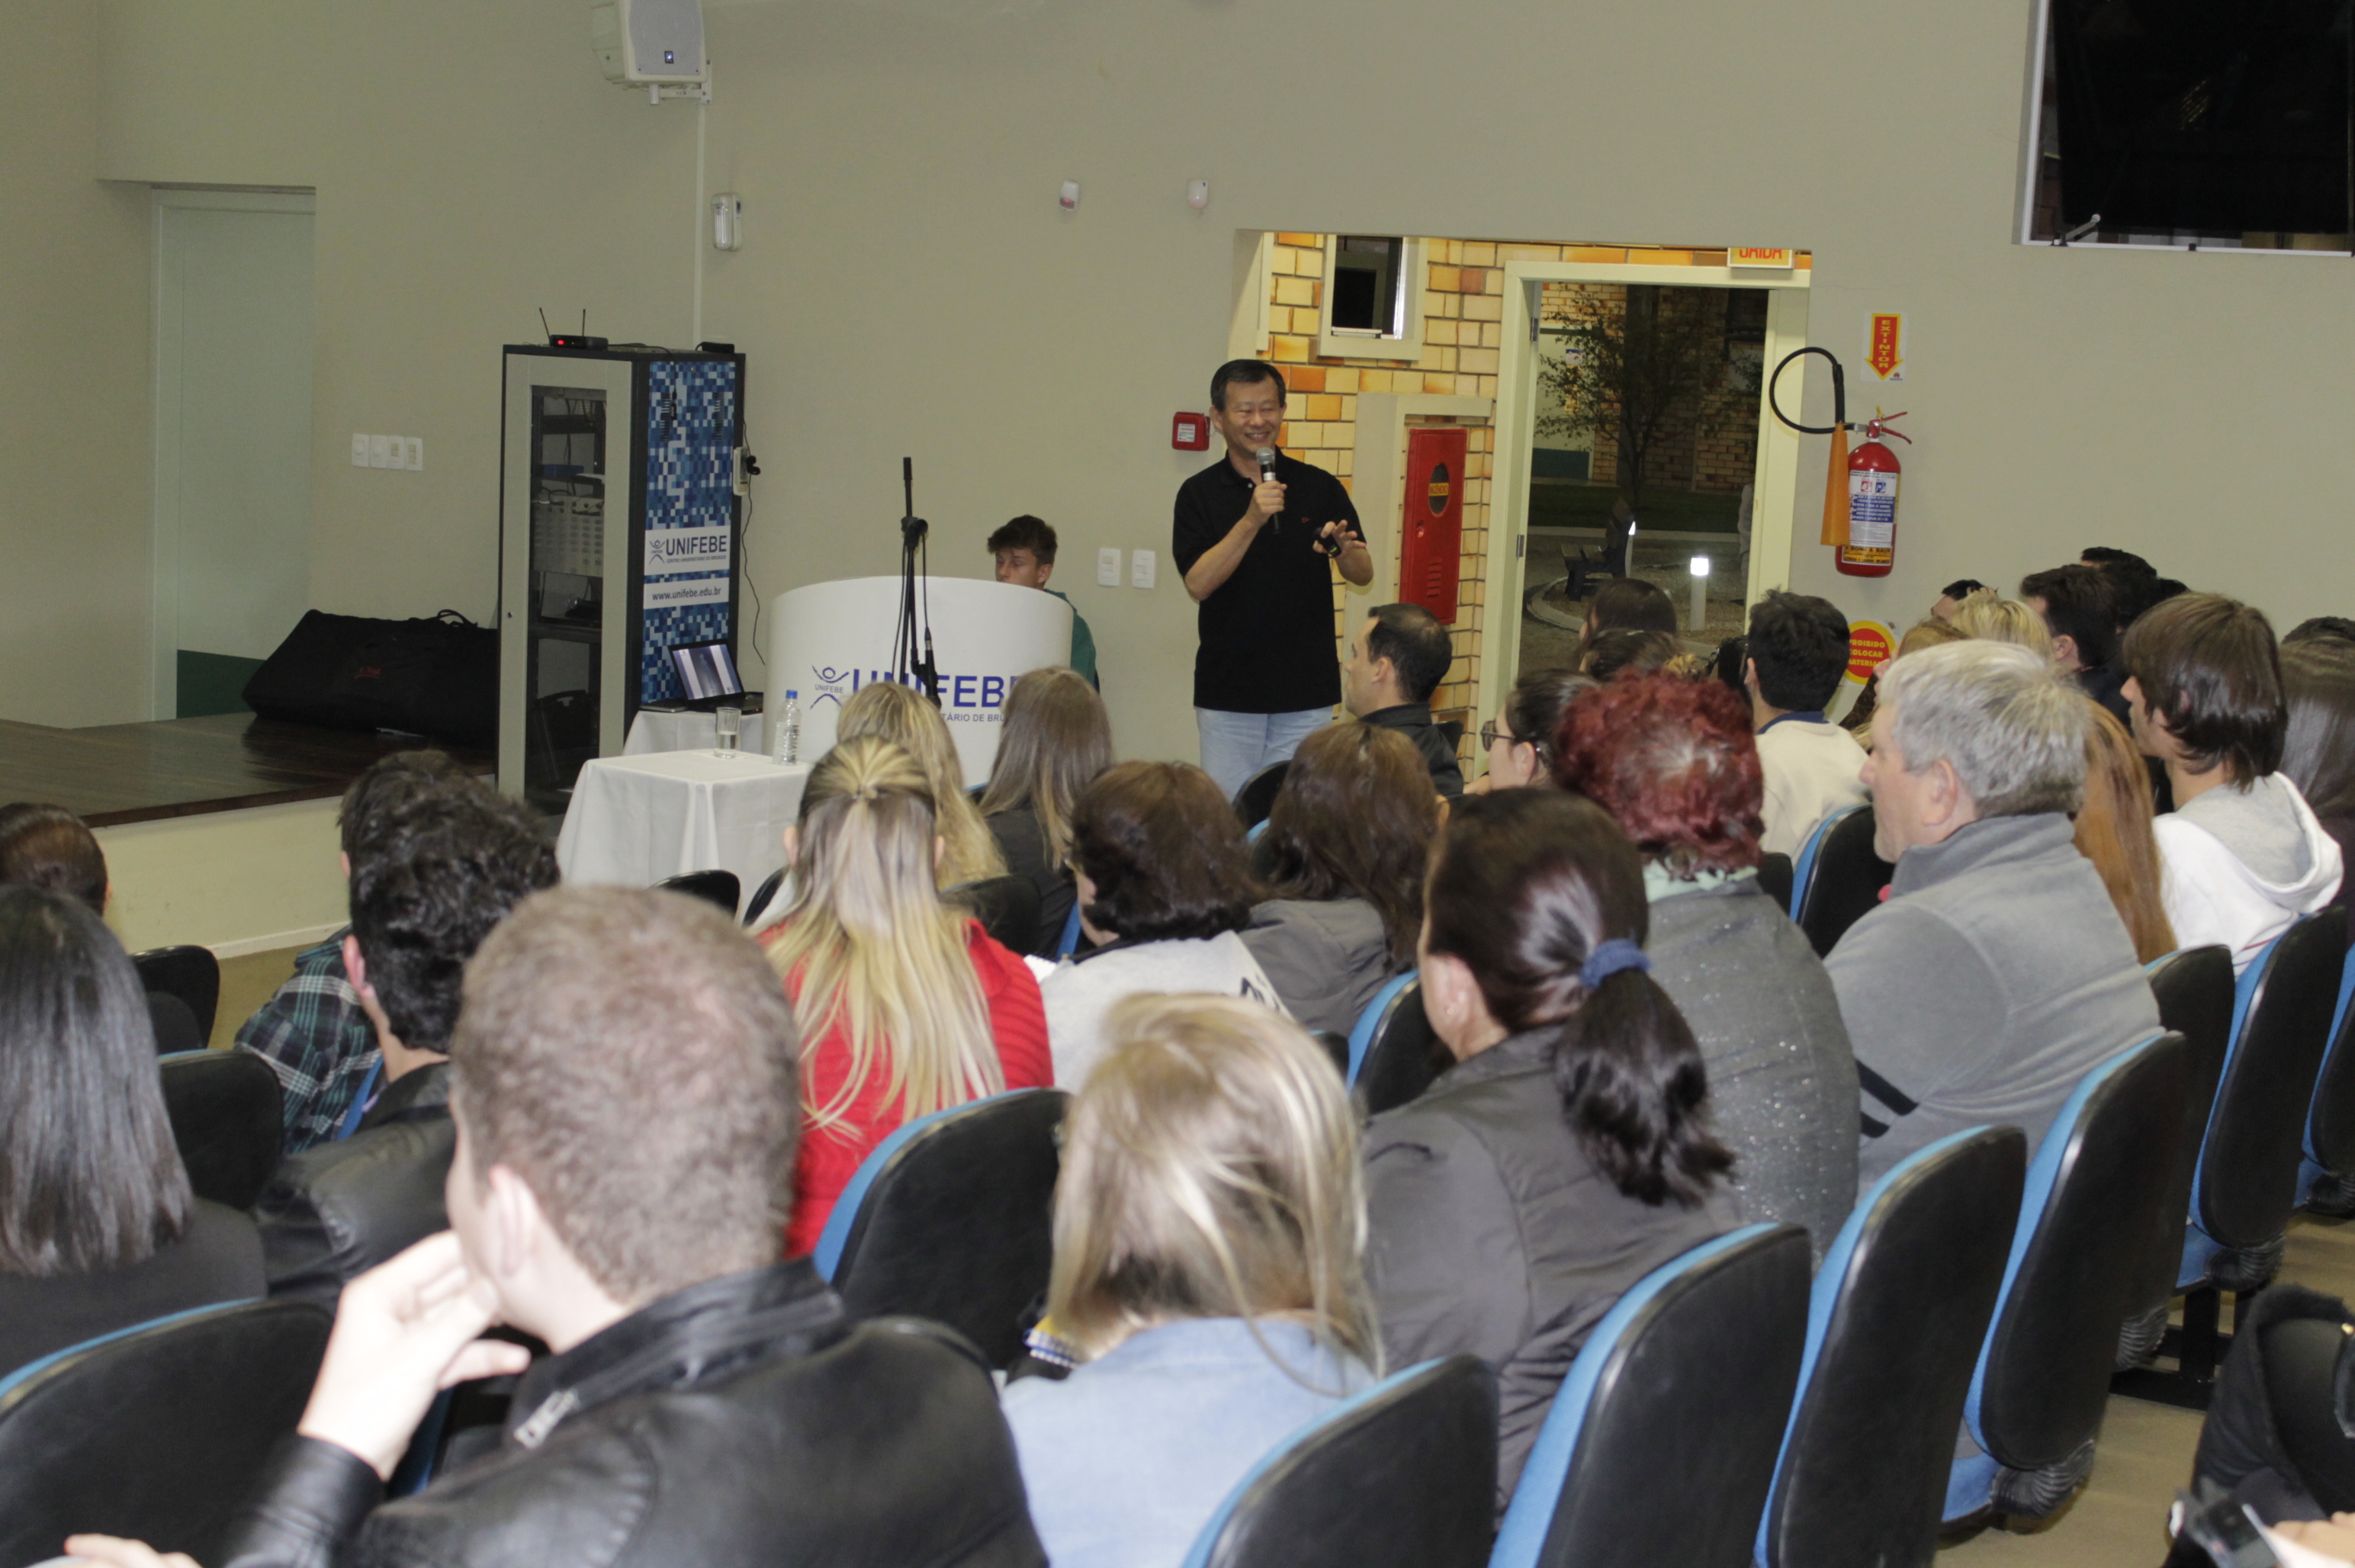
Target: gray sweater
(1995,977)
(1781,1082)
(1326,957)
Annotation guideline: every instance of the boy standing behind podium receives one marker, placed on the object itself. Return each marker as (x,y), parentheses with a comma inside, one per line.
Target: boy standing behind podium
(1025,551)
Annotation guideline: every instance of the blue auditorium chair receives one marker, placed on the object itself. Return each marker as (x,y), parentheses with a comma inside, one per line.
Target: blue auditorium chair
(1393,1054)
(156,1432)
(1839,879)
(2043,1375)
(1402,1473)
(2325,1180)
(1257,797)
(1007,908)
(950,1217)
(1899,1307)
(1661,1442)
(719,888)
(2194,989)
(187,973)
(224,1107)
(762,896)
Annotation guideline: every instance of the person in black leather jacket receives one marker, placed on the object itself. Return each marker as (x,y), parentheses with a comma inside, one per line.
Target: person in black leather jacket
(448,869)
(625,1101)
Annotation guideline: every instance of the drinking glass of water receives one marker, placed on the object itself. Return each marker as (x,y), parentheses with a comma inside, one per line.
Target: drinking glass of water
(731,728)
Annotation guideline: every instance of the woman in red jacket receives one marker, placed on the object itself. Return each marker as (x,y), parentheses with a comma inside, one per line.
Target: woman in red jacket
(906,1006)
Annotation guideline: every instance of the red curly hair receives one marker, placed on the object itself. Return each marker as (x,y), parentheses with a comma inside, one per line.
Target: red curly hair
(1675,763)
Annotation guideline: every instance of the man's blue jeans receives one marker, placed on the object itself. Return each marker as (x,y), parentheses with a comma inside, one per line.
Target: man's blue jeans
(1236,745)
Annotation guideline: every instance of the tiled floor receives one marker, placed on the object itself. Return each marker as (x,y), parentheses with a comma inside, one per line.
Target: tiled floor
(2118,1520)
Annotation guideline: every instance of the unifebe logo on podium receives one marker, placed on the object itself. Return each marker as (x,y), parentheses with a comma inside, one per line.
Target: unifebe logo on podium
(831,638)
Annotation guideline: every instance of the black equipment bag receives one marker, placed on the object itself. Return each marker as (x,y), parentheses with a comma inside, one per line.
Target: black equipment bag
(438,678)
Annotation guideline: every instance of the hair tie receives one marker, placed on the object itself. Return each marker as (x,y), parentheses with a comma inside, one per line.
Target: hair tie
(1608,958)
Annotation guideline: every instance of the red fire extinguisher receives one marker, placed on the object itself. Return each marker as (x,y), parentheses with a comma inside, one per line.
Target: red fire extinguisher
(1872,476)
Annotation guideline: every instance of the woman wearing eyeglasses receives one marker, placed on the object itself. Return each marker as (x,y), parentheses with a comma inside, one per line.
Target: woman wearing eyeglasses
(1520,739)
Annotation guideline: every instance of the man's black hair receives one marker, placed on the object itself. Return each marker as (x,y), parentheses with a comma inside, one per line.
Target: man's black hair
(390,785)
(1026,532)
(2210,671)
(1243,373)
(2103,556)
(1961,587)
(1417,646)
(1799,643)
(2081,603)
(442,875)
(2321,627)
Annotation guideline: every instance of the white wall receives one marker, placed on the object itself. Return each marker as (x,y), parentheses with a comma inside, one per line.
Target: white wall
(908,286)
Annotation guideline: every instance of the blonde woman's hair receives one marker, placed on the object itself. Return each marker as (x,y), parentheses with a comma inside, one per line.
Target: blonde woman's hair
(1055,740)
(1992,618)
(868,945)
(2114,831)
(1209,1170)
(906,717)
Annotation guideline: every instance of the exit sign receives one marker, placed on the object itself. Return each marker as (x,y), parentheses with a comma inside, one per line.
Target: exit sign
(1760,256)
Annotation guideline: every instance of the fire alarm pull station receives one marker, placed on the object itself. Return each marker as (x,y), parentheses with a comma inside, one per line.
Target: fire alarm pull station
(1189,432)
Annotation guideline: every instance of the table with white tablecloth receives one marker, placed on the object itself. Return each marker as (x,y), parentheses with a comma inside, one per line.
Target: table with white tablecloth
(636,820)
(669,729)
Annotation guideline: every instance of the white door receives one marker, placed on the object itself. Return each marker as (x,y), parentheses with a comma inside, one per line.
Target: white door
(233,316)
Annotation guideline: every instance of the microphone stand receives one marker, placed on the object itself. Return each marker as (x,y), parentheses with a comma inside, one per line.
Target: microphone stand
(914,534)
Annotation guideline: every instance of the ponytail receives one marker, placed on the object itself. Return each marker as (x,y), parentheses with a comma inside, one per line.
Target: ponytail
(1633,1089)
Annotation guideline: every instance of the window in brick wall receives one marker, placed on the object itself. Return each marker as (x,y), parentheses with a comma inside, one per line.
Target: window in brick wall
(1368,293)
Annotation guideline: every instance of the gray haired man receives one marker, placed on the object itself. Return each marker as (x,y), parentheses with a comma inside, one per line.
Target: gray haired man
(1999,973)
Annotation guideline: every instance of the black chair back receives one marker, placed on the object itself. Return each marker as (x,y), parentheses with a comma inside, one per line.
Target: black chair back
(718,888)
(1402,1055)
(1844,882)
(225,1107)
(949,1219)
(188,972)
(2330,1125)
(758,906)
(2044,1379)
(1775,879)
(1007,908)
(1899,1309)
(1662,1441)
(1257,797)
(2194,987)
(155,1432)
(2246,1188)
(1403,1473)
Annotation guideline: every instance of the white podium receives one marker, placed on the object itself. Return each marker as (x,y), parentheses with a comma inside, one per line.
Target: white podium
(830,638)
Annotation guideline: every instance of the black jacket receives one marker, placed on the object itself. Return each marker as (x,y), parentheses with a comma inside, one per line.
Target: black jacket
(1413,720)
(744,1420)
(338,1210)
(217,1260)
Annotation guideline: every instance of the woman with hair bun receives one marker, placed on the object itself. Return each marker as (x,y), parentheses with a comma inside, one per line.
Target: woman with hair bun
(1567,1153)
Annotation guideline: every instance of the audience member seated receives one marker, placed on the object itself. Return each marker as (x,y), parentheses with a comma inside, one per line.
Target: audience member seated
(98,1228)
(1674,763)
(1950,598)
(445,874)
(2243,853)
(1997,973)
(2080,610)
(1567,1153)
(2316,627)
(911,722)
(49,847)
(1627,603)
(1520,739)
(1643,652)
(1925,633)
(2318,746)
(1054,737)
(905,1005)
(1208,1228)
(1989,617)
(2134,584)
(1343,856)
(1797,654)
(313,1031)
(1165,890)
(1396,661)
(2114,831)
(624,1098)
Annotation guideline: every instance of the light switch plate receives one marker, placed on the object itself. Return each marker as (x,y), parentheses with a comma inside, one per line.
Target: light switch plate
(380,453)
(1140,569)
(412,454)
(359,451)
(1108,569)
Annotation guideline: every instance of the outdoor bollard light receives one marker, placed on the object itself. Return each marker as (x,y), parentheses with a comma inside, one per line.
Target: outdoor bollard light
(1699,591)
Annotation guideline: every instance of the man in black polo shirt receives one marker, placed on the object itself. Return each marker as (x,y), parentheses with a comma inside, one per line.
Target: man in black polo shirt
(1253,549)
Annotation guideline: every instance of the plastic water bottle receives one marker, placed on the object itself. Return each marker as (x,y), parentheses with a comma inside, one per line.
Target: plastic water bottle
(787,749)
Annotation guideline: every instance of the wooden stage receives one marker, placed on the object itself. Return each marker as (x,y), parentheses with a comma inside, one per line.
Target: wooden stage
(111,774)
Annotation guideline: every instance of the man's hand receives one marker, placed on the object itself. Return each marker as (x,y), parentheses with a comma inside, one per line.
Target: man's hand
(1357,563)
(111,1551)
(1267,500)
(404,1331)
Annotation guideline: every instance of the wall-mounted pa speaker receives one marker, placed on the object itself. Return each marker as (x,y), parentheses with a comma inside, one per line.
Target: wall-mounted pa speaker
(648,41)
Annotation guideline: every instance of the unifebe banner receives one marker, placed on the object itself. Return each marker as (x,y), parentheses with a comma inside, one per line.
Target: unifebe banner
(829,639)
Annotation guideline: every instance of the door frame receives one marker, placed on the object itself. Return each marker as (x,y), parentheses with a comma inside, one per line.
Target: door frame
(164,321)
(1774,493)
